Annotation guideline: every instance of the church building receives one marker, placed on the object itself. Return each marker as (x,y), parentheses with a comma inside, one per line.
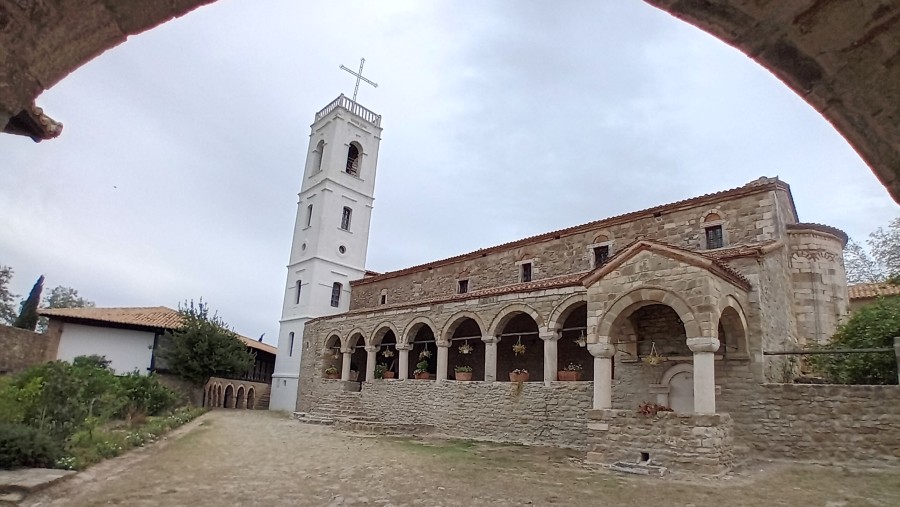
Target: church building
(673,307)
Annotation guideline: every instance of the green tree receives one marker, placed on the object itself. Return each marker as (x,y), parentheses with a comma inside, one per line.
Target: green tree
(28,316)
(873,326)
(204,347)
(883,265)
(62,297)
(860,267)
(7,299)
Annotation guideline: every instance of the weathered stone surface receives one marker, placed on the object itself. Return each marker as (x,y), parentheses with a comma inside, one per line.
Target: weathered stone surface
(20,349)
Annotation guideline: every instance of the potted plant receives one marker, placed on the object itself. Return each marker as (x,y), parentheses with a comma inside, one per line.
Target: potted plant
(421,371)
(332,373)
(380,368)
(571,373)
(388,371)
(463,372)
(518,375)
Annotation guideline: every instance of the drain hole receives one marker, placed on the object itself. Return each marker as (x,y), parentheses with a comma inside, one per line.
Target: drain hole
(645,457)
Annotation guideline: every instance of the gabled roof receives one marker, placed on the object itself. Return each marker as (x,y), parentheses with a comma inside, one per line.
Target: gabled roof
(872,290)
(156,318)
(680,254)
(757,186)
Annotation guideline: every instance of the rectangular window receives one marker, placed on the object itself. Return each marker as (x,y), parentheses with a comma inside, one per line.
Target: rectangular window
(336,294)
(462,286)
(345,218)
(525,272)
(383,299)
(714,237)
(309,215)
(291,349)
(601,255)
(297,297)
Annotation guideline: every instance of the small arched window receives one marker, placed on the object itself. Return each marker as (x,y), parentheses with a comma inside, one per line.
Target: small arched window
(336,294)
(353,154)
(297,298)
(317,153)
(291,349)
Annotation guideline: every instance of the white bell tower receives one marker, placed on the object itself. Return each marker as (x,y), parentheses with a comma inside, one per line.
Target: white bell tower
(331,232)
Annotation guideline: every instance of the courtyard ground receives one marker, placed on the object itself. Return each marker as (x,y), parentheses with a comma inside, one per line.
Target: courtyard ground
(230,457)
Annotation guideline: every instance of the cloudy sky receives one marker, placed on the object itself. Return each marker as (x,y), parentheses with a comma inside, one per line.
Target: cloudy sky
(177,173)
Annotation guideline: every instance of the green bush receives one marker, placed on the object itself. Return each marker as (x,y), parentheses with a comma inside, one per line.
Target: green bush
(144,394)
(23,446)
(872,326)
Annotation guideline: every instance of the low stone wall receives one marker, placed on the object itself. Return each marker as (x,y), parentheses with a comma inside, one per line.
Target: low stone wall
(833,423)
(680,442)
(527,413)
(20,349)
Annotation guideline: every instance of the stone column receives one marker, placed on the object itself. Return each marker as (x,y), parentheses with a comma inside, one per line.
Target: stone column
(550,339)
(603,355)
(371,357)
(490,358)
(345,365)
(403,361)
(443,354)
(897,354)
(704,373)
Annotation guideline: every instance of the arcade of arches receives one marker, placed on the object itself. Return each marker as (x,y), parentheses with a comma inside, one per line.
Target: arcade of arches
(241,394)
(841,57)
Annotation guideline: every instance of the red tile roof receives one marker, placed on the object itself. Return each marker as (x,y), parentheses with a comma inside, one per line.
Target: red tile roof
(872,290)
(153,317)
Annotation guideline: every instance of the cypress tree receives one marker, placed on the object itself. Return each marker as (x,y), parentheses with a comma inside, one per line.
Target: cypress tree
(28,316)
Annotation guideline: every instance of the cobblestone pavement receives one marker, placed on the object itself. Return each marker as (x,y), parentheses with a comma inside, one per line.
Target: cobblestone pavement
(263,458)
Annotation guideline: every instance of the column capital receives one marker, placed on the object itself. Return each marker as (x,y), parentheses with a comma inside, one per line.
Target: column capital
(490,339)
(371,348)
(403,346)
(346,351)
(703,344)
(548,334)
(443,345)
(601,349)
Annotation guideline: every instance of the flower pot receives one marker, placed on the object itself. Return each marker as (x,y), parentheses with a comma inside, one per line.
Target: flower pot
(568,375)
(518,377)
(422,376)
(389,374)
(333,376)
(463,375)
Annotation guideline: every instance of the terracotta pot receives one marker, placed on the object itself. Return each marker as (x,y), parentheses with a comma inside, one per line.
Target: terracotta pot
(333,376)
(463,375)
(422,376)
(518,377)
(389,374)
(568,376)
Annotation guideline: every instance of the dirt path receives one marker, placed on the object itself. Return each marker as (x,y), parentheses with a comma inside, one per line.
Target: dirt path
(262,458)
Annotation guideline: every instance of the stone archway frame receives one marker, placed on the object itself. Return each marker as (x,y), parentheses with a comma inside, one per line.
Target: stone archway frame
(413,328)
(731,302)
(454,321)
(251,398)
(240,396)
(379,331)
(351,340)
(629,302)
(662,389)
(508,312)
(225,396)
(563,309)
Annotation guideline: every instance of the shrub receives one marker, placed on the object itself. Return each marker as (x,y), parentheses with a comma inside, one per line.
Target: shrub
(145,395)
(463,369)
(23,446)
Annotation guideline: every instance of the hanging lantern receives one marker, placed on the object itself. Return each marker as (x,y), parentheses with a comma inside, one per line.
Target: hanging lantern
(581,341)
(387,353)
(465,348)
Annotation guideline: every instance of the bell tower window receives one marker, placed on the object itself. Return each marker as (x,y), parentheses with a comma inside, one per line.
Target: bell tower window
(336,294)
(345,218)
(317,153)
(309,215)
(353,159)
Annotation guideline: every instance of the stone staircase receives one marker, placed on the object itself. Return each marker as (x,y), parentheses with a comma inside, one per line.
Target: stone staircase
(263,403)
(344,411)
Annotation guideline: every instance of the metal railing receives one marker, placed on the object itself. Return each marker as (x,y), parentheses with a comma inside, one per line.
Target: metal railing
(353,107)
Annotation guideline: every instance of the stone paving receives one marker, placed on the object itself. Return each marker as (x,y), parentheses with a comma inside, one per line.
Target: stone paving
(266,458)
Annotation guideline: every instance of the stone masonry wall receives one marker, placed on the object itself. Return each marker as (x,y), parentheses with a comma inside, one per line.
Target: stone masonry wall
(527,413)
(747,219)
(679,442)
(820,299)
(20,349)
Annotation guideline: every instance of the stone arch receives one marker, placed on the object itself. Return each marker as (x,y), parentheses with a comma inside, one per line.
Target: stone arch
(239,400)
(732,328)
(562,310)
(413,327)
(228,399)
(379,331)
(712,215)
(352,340)
(604,236)
(510,311)
(251,398)
(455,320)
(331,353)
(647,296)
(677,395)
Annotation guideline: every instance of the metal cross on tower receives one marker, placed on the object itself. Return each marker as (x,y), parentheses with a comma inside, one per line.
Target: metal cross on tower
(359,77)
